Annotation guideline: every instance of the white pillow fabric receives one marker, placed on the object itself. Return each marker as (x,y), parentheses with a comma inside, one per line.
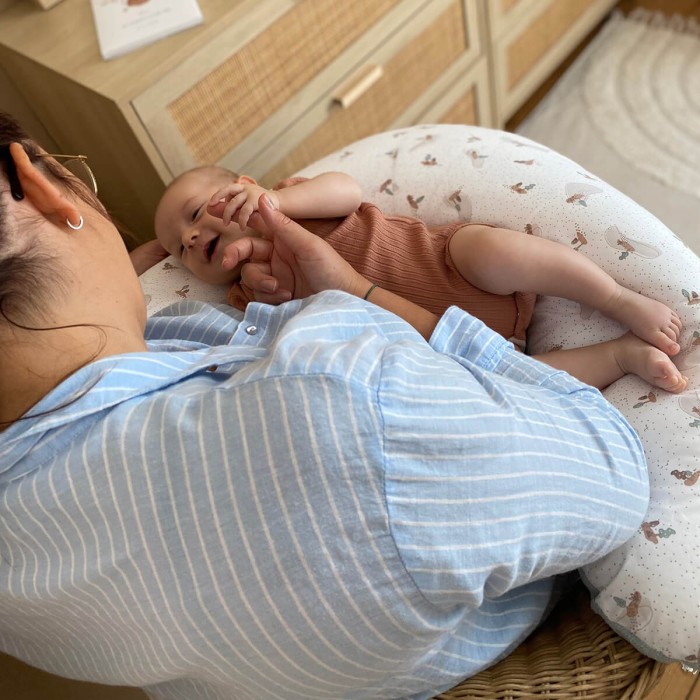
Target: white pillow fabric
(440,173)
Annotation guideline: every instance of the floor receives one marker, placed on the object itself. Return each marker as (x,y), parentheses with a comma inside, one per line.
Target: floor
(686,8)
(675,684)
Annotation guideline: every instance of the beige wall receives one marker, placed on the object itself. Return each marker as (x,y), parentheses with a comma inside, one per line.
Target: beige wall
(12,101)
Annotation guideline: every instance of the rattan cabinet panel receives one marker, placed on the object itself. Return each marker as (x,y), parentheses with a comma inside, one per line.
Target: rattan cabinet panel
(467,102)
(401,78)
(227,104)
(530,38)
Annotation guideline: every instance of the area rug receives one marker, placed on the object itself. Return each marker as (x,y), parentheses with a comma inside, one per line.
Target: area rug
(628,110)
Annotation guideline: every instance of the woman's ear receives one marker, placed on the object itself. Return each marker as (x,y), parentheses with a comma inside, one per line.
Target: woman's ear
(246,180)
(42,193)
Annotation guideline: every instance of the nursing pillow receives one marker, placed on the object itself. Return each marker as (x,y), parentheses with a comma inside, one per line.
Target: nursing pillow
(645,589)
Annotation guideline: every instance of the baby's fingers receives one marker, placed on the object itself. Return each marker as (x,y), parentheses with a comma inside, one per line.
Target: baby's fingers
(245,212)
(225,193)
(233,206)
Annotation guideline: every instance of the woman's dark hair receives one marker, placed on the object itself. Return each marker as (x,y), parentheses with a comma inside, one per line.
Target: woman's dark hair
(27,271)
(24,269)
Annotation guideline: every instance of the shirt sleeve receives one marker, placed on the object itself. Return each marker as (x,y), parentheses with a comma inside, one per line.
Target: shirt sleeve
(467,339)
(501,471)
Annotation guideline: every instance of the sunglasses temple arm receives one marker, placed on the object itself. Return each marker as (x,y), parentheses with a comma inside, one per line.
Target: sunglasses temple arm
(15,185)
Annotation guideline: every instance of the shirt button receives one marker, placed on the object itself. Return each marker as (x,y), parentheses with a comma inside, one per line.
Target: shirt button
(251,330)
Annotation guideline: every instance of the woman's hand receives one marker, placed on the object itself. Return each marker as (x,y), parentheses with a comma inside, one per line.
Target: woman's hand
(288,262)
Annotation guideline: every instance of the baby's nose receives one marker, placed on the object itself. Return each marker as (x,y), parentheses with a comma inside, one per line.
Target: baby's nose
(189,238)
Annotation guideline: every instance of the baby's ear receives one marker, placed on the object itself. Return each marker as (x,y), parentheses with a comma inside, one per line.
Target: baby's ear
(246,180)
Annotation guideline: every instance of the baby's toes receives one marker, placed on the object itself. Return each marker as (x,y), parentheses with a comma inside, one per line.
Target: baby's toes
(666,342)
(676,384)
(676,325)
(666,376)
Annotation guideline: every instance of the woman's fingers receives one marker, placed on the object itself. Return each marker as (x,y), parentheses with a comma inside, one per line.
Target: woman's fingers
(256,273)
(258,277)
(247,248)
(216,209)
(277,298)
(315,265)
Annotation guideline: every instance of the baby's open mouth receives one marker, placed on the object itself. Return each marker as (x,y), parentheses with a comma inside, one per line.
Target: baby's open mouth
(211,248)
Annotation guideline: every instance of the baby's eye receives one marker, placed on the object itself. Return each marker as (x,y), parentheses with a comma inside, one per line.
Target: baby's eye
(197,212)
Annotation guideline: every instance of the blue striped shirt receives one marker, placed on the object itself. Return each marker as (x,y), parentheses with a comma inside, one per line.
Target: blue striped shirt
(305,501)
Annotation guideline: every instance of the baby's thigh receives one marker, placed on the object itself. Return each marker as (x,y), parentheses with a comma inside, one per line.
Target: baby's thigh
(487,256)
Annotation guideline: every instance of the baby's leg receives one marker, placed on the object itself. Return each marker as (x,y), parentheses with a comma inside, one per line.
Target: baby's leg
(601,364)
(502,261)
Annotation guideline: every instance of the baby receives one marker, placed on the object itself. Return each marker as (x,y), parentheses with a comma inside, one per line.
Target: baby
(493,273)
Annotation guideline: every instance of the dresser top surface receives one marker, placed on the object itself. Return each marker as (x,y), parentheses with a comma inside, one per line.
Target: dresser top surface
(63,40)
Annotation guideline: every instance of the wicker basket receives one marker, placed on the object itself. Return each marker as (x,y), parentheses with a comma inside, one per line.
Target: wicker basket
(574,654)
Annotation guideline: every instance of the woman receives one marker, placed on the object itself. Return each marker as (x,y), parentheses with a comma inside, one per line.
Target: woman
(305,501)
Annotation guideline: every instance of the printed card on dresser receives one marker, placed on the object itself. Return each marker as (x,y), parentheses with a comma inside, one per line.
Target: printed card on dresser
(126,25)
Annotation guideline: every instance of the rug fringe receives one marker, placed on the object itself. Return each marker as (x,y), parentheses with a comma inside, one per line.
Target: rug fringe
(655,18)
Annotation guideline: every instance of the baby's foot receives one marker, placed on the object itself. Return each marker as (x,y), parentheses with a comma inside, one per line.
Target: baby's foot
(647,318)
(636,356)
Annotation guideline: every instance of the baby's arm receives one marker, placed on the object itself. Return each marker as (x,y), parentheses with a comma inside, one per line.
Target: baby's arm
(329,195)
(325,196)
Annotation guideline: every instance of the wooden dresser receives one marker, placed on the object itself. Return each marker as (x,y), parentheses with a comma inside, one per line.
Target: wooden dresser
(268,86)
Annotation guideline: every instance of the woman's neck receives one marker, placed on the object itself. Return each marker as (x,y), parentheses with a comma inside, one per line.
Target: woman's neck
(35,362)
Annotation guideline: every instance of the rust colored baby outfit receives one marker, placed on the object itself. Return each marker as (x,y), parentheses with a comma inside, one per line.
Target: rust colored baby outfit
(404,256)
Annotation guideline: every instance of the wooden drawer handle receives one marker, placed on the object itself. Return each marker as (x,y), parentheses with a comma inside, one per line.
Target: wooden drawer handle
(357,86)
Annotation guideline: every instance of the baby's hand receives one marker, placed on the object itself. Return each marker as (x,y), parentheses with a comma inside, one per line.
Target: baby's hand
(238,201)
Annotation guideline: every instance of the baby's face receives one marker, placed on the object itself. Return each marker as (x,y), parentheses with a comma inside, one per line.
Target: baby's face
(192,235)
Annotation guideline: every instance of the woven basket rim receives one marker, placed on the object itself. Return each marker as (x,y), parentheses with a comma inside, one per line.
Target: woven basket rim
(573,654)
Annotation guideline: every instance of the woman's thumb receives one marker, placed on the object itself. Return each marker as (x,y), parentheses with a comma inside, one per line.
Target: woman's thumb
(276,223)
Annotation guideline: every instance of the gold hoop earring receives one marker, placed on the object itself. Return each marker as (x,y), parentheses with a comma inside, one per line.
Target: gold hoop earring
(74,226)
